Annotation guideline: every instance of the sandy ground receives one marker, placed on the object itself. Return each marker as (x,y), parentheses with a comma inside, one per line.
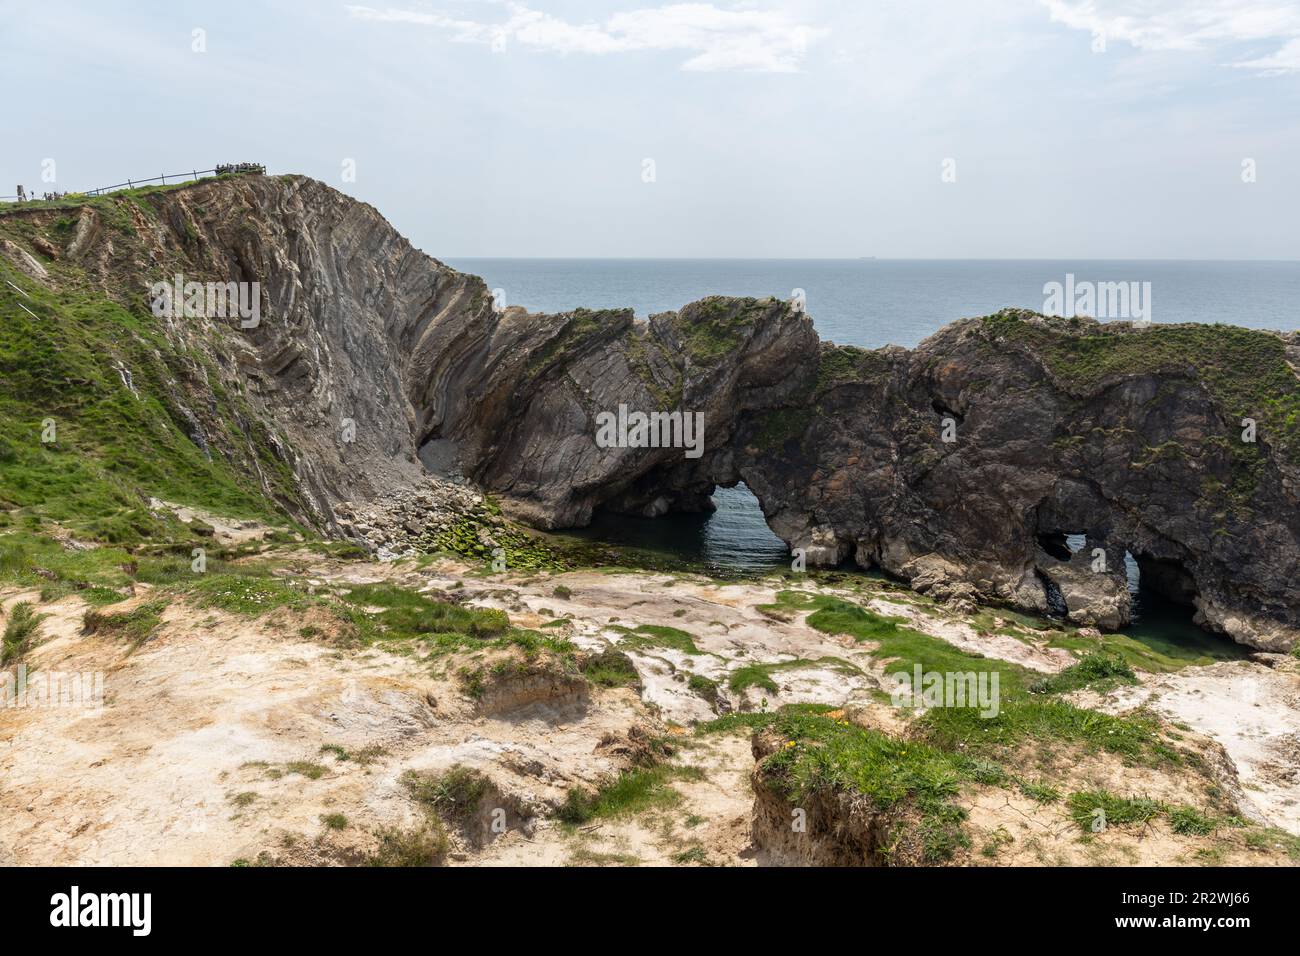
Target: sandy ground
(216,739)
(1251,709)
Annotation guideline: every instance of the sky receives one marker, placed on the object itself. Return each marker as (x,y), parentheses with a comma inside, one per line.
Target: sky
(807,128)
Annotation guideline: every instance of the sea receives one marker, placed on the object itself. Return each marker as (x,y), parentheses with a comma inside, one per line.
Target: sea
(876,302)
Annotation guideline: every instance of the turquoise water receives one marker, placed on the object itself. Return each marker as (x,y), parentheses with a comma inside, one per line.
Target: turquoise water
(877,302)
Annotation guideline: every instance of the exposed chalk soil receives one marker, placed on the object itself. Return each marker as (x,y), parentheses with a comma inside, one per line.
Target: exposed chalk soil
(229,738)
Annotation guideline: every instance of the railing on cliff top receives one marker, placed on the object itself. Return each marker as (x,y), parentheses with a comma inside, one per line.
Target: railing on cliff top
(220,170)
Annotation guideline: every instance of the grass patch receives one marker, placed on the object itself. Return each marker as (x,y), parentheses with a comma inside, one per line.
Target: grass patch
(1039,792)
(1093,809)
(248,594)
(136,625)
(897,643)
(1021,715)
(423,845)
(454,794)
(657,635)
(611,668)
(632,792)
(760,675)
(404,615)
(823,753)
(305,768)
(20,632)
(1097,669)
(78,447)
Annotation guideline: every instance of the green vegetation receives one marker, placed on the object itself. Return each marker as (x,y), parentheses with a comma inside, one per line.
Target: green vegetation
(583,329)
(1246,370)
(422,845)
(453,794)
(716,326)
(305,768)
(695,854)
(705,687)
(539,654)
(78,447)
(520,551)
(1128,811)
(334,821)
(20,632)
(1190,822)
(1021,715)
(900,645)
(1097,670)
(611,668)
(895,775)
(1039,792)
(633,791)
(365,756)
(387,612)
(1150,653)
(1115,811)
(1272,838)
(244,591)
(657,635)
(729,723)
(136,625)
(777,427)
(849,365)
(760,675)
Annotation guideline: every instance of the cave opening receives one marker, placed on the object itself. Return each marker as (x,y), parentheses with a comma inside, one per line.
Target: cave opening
(734,536)
(1163,593)
(1057,543)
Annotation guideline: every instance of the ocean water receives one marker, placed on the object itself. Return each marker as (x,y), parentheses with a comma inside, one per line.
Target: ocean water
(877,302)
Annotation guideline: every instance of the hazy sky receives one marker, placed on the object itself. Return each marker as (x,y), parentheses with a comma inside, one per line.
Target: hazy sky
(1078,128)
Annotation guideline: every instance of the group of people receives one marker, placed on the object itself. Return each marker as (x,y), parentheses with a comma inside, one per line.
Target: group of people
(23,197)
(221,170)
(256,168)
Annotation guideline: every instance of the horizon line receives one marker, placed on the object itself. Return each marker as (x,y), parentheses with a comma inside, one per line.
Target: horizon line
(868,258)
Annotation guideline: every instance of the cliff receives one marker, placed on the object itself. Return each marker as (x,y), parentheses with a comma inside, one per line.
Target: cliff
(960,465)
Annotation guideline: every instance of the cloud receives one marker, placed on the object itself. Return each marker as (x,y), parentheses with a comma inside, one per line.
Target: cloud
(1183,25)
(718,40)
(1285,60)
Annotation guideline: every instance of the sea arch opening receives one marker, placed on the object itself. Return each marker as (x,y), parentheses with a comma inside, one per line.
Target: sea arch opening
(731,536)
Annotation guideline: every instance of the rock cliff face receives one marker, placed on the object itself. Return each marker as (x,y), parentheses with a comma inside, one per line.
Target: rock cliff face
(961,465)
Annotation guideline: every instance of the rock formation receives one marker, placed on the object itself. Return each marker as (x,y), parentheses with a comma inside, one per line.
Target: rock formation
(961,465)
